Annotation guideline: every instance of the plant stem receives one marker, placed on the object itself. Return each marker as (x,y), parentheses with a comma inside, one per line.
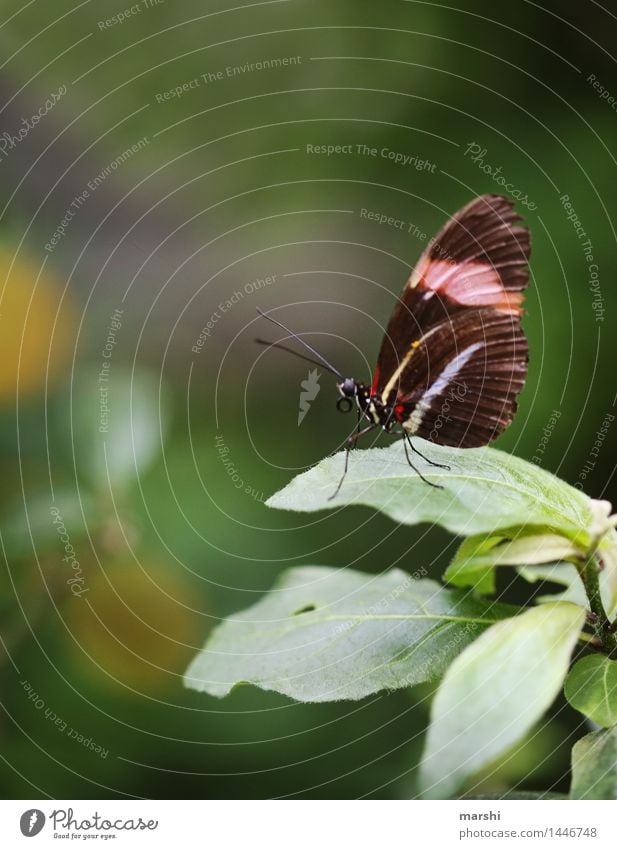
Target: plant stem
(589,571)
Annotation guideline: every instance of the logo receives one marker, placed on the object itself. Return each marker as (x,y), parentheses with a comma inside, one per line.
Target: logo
(32,822)
(310,390)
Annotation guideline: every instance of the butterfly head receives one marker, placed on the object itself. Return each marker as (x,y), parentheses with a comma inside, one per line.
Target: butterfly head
(349,390)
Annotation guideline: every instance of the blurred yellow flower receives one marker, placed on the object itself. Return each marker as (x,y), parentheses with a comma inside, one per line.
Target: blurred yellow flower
(34,329)
(134,627)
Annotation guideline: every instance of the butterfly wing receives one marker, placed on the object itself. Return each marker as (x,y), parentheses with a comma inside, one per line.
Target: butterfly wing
(454,356)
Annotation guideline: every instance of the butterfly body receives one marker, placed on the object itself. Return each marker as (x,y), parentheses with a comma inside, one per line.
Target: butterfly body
(368,404)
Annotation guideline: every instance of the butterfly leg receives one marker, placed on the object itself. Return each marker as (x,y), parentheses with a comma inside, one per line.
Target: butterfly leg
(417,471)
(357,426)
(351,442)
(350,439)
(407,439)
(430,462)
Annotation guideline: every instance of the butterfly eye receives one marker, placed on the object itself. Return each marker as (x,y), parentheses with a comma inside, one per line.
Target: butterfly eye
(344,405)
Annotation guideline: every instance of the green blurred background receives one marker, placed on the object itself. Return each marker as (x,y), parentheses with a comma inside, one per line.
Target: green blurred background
(196,196)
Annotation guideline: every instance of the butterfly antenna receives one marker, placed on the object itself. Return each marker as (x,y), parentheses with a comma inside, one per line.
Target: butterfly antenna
(288,351)
(295,336)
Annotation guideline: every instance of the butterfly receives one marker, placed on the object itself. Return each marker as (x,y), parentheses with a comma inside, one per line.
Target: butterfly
(454,356)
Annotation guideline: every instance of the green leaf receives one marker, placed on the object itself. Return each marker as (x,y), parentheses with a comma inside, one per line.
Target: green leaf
(484,492)
(607,552)
(468,568)
(527,550)
(591,688)
(495,691)
(326,634)
(478,556)
(475,561)
(594,766)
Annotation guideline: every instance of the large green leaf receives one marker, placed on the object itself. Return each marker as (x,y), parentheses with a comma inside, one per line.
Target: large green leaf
(594,766)
(484,491)
(325,634)
(591,687)
(495,691)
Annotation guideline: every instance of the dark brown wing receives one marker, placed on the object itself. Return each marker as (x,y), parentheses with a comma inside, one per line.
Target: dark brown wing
(459,317)
(460,385)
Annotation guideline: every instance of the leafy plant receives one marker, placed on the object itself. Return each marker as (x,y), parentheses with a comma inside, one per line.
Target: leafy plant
(325,634)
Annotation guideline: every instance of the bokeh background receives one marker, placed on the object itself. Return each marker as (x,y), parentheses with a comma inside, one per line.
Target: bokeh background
(142,427)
